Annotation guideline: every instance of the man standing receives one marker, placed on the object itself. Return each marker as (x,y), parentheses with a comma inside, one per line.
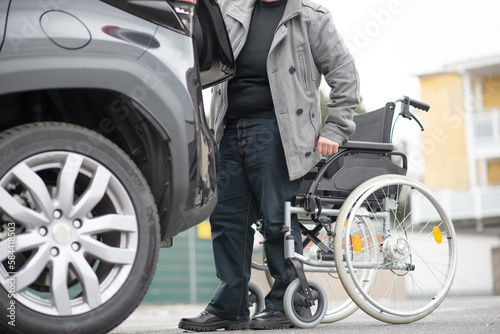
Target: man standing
(267,121)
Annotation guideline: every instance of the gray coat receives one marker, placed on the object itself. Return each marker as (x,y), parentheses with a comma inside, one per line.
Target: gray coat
(306,45)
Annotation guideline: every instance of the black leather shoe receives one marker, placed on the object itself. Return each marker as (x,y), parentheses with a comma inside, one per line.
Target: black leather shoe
(270,319)
(206,322)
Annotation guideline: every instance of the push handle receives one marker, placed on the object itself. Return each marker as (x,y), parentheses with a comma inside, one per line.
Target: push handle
(419,105)
(405,109)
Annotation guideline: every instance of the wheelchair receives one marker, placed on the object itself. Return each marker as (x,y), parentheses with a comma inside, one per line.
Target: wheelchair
(373,238)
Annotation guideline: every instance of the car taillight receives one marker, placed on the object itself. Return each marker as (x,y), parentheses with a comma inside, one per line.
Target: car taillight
(186,10)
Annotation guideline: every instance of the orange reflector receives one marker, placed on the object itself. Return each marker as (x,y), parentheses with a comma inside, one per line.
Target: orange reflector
(437,234)
(357,244)
(204,230)
(345,224)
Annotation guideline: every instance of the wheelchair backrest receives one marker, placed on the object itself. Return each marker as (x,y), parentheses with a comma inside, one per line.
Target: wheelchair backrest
(374,126)
(350,168)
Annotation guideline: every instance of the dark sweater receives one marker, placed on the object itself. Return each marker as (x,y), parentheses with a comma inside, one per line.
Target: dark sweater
(249,95)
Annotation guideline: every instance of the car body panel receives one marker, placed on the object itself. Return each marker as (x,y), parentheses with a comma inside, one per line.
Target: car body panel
(26,37)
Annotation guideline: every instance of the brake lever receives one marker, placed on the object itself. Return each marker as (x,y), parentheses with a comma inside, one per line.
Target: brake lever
(418,122)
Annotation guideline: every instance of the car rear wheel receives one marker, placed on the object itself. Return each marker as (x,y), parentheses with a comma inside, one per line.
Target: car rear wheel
(79,230)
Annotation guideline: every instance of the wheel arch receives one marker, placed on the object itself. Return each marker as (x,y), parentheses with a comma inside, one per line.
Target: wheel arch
(117,117)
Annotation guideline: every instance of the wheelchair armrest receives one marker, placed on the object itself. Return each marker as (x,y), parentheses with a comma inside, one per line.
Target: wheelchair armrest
(321,163)
(365,145)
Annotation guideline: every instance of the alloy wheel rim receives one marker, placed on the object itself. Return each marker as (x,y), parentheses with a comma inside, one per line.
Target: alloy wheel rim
(76,233)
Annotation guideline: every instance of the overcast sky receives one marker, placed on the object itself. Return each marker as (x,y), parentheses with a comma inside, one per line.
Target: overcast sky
(395,40)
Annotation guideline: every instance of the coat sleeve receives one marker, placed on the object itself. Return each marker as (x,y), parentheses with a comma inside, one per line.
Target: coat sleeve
(333,60)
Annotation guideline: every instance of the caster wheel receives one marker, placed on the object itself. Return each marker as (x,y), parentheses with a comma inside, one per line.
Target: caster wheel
(300,314)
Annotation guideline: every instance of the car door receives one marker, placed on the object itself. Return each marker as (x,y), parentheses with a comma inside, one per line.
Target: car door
(4,9)
(212,42)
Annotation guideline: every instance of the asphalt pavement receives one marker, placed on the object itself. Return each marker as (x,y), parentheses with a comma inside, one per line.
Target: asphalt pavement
(456,315)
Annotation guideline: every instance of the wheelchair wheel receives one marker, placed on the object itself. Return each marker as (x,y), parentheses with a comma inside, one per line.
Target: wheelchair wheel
(255,299)
(297,311)
(416,245)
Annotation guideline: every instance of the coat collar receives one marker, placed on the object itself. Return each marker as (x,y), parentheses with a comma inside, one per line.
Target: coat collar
(293,8)
(242,10)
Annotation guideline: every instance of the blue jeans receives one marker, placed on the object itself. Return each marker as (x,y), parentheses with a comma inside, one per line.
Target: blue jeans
(252,181)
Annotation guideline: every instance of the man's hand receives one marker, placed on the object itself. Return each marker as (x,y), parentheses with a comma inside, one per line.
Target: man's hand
(326,146)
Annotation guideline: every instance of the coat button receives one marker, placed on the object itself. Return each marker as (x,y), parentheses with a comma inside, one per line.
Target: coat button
(308,154)
(291,70)
(299,112)
(219,91)
(312,115)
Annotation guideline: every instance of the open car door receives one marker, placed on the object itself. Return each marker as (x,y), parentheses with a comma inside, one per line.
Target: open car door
(212,42)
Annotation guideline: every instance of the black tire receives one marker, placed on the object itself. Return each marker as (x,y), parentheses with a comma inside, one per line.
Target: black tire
(122,275)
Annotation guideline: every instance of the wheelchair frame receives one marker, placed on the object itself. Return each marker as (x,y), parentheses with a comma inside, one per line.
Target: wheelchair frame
(370,193)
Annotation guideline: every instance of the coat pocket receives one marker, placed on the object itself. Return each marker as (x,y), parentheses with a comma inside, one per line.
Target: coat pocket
(306,130)
(303,67)
(315,119)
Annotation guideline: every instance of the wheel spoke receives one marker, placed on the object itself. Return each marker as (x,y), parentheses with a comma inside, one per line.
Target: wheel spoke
(431,268)
(19,213)
(36,187)
(93,195)
(27,241)
(307,314)
(59,286)
(107,253)
(109,223)
(66,181)
(32,268)
(88,279)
